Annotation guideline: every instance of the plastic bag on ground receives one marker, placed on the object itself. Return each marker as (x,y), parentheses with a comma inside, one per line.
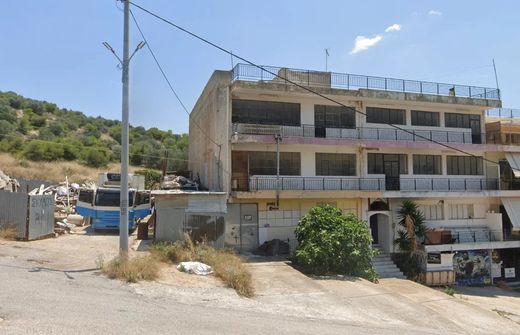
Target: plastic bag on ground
(197,268)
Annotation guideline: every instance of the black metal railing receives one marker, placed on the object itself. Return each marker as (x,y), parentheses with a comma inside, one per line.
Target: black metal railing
(347,81)
(283,183)
(362,133)
(509,113)
(457,235)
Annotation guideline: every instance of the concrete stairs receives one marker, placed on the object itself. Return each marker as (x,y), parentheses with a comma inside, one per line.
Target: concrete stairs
(385,267)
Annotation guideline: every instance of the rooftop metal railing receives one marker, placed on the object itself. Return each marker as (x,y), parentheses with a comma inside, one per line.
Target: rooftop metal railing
(508,113)
(463,136)
(347,81)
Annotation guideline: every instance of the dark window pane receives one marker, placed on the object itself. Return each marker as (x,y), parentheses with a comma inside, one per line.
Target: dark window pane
(385,115)
(335,164)
(264,163)
(334,116)
(265,112)
(465,165)
(421,118)
(427,164)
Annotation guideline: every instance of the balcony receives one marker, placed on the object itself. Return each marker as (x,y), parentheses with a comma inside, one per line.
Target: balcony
(297,183)
(246,72)
(460,136)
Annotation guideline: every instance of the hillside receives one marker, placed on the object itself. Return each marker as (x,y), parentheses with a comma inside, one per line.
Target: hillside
(41,131)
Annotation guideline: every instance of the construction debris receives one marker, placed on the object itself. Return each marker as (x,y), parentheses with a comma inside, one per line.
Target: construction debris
(173,182)
(8,184)
(274,247)
(196,268)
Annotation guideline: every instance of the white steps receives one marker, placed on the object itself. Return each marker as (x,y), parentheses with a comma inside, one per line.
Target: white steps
(385,267)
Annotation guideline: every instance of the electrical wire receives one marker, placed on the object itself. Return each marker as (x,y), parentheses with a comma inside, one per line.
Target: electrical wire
(157,16)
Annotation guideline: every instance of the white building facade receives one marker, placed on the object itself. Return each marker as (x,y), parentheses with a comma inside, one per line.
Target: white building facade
(278,150)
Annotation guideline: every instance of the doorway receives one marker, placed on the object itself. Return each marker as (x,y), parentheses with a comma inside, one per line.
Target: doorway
(476,131)
(391,169)
(374,229)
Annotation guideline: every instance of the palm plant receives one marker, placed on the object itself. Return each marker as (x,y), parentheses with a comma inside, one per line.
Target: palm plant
(411,219)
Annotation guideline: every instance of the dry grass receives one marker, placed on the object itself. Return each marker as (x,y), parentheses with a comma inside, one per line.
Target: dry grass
(53,171)
(8,232)
(131,270)
(226,266)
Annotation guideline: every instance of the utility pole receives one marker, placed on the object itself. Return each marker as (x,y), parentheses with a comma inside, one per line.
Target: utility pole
(278,138)
(123,213)
(326,59)
(125,65)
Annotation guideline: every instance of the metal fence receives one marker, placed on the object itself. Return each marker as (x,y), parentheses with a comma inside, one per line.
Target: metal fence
(510,113)
(347,81)
(464,136)
(27,185)
(33,215)
(259,183)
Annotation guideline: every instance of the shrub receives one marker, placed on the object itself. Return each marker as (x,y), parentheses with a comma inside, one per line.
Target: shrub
(96,157)
(152,178)
(8,232)
(330,242)
(131,270)
(450,290)
(226,266)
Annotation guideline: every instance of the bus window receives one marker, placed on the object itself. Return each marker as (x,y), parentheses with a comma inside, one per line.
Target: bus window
(142,198)
(86,195)
(111,198)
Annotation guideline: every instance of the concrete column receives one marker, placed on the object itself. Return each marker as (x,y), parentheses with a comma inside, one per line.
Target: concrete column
(308,161)
(307,112)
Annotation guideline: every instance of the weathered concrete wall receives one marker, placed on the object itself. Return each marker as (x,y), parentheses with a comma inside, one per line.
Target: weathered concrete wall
(210,120)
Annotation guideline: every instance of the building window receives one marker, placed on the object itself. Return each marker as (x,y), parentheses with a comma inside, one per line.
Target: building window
(334,117)
(430,119)
(432,212)
(385,115)
(266,112)
(457,120)
(460,211)
(379,163)
(335,164)
(427,164)
(264,163)
(464,165)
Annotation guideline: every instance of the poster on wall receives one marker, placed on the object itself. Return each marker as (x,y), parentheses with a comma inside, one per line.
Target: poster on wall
(472,267)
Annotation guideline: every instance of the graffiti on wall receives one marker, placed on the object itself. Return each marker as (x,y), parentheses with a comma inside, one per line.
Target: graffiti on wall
(472,267)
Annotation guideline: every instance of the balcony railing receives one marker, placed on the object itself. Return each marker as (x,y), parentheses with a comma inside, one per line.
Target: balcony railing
(463,136)
(507,113)
(347,81)
(297,183)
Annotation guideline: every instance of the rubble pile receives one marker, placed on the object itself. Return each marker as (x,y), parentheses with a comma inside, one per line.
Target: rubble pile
(65,199)
(8,184)
(173,182)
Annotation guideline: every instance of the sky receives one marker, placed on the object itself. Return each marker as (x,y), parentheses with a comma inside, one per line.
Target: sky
(52,50)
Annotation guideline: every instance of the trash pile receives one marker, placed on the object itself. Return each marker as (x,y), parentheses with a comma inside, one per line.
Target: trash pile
(8,184)
(65,199)
(173,182)
(196,268)
(274,247)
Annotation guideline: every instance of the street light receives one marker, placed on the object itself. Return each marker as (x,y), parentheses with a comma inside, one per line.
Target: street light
(125,64)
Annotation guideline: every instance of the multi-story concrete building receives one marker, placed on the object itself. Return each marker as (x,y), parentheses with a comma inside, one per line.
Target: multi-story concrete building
(278,149)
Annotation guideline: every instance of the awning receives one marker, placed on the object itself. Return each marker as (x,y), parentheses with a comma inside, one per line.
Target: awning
(514,160)
(512,206)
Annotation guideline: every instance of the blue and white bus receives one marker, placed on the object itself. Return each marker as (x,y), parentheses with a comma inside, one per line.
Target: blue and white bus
(102,204)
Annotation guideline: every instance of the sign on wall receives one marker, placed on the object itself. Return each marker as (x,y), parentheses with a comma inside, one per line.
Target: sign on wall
(434,258)
(472,267)
(509,273)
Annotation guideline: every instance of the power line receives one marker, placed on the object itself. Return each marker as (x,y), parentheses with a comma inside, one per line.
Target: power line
(168,80)
(298,85)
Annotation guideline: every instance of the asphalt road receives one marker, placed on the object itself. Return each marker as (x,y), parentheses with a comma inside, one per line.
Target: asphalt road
(36,299)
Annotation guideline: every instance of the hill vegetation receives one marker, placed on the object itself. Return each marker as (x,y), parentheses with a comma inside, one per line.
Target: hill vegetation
(41,131)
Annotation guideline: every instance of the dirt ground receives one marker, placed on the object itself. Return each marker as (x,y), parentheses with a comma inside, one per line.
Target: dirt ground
(393,305)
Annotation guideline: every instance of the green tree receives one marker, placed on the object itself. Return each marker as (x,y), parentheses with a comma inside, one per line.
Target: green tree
(412,227)
(5,129)
(96,157)
(330,242)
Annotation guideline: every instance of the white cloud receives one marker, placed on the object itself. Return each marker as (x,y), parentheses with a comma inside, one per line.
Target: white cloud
(362,43)
(394,27)
(434,12)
